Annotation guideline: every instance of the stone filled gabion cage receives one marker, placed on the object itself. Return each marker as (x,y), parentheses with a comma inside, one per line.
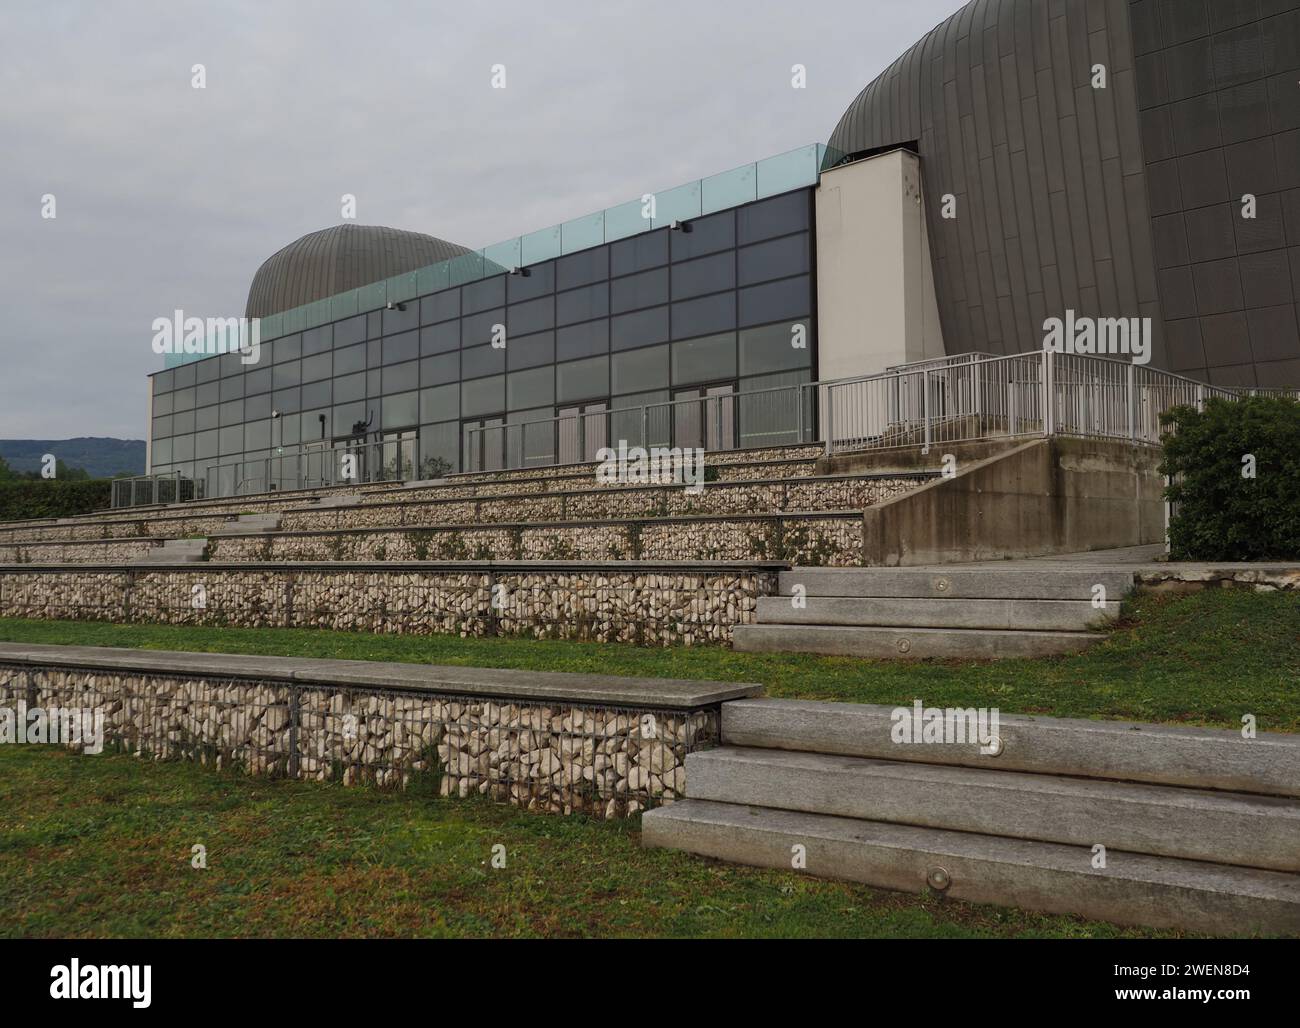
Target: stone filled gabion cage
(557,756)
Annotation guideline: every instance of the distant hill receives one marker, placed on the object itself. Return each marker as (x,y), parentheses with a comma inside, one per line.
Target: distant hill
(102,458)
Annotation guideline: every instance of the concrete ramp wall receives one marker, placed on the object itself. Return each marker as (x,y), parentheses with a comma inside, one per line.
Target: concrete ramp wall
(1045,496)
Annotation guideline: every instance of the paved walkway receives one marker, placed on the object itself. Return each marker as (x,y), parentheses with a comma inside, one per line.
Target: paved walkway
(1140,559)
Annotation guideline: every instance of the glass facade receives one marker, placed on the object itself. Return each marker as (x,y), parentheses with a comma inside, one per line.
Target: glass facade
(663,315)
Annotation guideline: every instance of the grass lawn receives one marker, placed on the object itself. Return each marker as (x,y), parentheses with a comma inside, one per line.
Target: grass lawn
(1207,659)
(101,847)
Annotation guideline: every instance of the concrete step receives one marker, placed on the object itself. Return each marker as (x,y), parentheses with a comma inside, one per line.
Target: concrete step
(249,524)
(175,551)
(1133,889)
(992,583)
(911,643)
(1194,824)
(1042,615)
(1198,758)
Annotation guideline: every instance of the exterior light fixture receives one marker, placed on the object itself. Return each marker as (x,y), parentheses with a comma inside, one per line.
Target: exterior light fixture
(681,226)
(391,306)
(524,272)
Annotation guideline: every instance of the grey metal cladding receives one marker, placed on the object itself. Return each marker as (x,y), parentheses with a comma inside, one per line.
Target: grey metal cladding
(337,259)
(1125,201)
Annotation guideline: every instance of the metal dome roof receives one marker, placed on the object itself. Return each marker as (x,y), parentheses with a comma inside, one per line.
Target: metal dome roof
(337,259)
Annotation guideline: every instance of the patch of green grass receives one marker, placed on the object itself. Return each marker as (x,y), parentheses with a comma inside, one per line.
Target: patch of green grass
(100,846)
(1207,658)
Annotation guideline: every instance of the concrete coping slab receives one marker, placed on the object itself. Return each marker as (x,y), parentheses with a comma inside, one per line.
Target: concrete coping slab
(427,567)
(497,683)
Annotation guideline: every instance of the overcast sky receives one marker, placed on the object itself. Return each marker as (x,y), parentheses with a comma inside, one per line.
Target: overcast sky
(170,197)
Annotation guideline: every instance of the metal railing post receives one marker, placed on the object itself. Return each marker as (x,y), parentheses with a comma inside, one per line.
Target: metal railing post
(925,410)
(644,441)
(798,413)
(1049,394)
(1131,402)
(830,420)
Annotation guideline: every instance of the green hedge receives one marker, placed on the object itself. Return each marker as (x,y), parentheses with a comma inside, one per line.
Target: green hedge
(21,499)
(1222,514)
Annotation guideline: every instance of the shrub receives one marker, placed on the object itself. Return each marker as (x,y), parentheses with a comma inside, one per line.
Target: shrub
(1223,513)
(21,499)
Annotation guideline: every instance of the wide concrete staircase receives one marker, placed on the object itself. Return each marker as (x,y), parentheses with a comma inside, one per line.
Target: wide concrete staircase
(981,612)
(1164,827)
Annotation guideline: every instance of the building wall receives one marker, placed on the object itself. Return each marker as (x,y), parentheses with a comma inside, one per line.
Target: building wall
(875,288)
(641,320)
(1220,118)
(1074,197)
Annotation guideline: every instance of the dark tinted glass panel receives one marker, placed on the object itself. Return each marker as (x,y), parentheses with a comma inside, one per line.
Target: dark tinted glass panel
(258,381)
(257,435)
(639,369)
(644,290)
(770,349)
(183,399)
(440,338)
(705,316)
(583,380)
(374,353)
(578,269)
(440,307)
(183,422)
(374,325)
(353,330)
(482,360)
(206,393)
(186,375)
(349,360)
(539,281)
(775,217)
(290,432)
(231,413)
(405,347)
(639,329)
(164,382)
(483,396)
(534,316)
(582,304)
(788,298)
(258,406)
(231,389)
(706,275)
(183,447)
(287,400)
(317,340)
(775,259)
(639,253)
(530,388)
(479,328)
(232,440)
(208,369)
(233,364)
(347,415)
(163,404)
(401,410)
(285,375)
(162,427)
(287,348)
(205,418)
(440,442)
(400,377)
(350,387)
(316,395)
(401,321)
(373,380)
(530,351)
(162,453)
(445,367)
(441,402)
(705,360)
(205,445)
(582,340)
(318,367)
(707,235)
(480,296)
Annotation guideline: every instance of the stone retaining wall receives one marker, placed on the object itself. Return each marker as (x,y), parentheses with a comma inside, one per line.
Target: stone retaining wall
(818,540)
(102,551)
(553,756)
(645,605)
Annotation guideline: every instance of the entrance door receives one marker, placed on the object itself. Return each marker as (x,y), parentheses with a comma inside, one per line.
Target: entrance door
(582,431)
